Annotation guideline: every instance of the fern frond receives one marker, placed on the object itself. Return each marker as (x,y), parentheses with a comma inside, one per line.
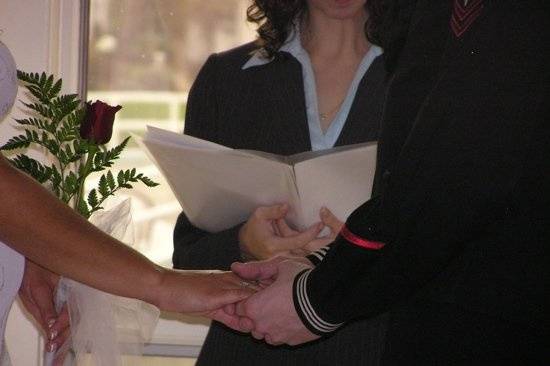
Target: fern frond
(40,109)
(147,181)
(34,168)
(64,105)
(31,78)
(16,142)
(37,123)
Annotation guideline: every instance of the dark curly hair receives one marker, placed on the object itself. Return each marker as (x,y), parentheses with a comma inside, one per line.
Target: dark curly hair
(386,26)
(274,19)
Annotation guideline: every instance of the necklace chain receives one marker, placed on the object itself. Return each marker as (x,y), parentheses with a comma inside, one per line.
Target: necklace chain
(325,115)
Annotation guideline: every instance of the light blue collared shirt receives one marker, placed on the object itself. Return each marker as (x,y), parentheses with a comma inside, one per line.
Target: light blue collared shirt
(318,139)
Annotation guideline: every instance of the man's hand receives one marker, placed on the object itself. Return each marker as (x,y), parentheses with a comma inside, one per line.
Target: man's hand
(37,294)
(270,314)
(260,238)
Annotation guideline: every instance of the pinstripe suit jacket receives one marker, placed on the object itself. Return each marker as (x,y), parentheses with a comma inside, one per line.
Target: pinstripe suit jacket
(263,108)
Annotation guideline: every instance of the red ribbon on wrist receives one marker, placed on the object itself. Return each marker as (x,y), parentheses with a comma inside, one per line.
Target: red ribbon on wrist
(364,243)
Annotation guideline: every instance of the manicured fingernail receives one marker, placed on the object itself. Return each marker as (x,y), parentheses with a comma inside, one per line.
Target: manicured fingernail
(51,322)
(53,334)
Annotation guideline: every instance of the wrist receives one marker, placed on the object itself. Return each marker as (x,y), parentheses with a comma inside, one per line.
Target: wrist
(306,309)
(153,287)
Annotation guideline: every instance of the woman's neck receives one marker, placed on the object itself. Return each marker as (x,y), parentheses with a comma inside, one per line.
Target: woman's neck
(328,38)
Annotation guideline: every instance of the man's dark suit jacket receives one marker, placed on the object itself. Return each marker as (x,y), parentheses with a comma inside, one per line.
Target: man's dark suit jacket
(263,108)
(465,204)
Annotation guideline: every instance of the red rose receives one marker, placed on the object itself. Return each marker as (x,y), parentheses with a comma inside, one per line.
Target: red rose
(97,126)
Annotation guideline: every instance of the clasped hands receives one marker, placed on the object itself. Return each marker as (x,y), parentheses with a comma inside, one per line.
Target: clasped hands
(269,314)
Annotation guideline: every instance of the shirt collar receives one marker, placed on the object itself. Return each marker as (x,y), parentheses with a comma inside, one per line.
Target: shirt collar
(292,45)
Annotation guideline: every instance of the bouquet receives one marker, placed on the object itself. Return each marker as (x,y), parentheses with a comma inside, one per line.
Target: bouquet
(73,134)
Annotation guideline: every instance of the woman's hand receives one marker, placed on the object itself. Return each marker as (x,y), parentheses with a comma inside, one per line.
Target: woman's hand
(204,293)
(260,237)
(328,219)
(37,293)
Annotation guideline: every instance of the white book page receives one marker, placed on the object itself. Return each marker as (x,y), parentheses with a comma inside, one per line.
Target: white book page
(340,181)
(217,189)
(158,134)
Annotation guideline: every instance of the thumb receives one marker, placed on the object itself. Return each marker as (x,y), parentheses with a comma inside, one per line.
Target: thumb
(257,271)
(230,296)
(330,220)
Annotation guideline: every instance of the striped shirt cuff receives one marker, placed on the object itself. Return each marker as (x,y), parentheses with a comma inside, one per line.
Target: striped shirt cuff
(316,257)
(313,322)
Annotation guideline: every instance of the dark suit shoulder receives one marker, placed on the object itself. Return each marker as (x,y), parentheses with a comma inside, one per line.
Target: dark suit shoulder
(235,57)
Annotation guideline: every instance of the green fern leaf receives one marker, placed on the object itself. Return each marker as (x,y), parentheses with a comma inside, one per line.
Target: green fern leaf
(103,186)
(93,201)
(111,155)
(24,76)
(40,109)
(16,142)
(71,183)
(120,178)
(83,209)
(56,89)
(147,181)
(47,86)
(43,78)
(37,93)
(35,169)
(111,180)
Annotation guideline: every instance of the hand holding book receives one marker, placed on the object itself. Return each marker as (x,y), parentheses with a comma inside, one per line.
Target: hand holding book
(266,233)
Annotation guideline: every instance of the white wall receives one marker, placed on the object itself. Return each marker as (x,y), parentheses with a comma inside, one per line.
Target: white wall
(42,36)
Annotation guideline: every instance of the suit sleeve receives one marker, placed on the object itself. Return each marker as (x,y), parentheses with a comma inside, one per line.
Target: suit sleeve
(355,280)
(195,248)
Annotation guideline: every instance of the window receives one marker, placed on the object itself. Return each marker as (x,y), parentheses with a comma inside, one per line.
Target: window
(144,55)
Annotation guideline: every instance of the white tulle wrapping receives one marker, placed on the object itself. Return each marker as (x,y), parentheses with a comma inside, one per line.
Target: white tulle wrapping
(105,327)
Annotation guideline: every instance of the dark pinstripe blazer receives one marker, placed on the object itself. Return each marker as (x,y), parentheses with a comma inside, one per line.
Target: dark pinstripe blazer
(263,108)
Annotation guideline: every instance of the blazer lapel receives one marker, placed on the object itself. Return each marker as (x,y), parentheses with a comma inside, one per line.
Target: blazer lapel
(287,96)
(363,121)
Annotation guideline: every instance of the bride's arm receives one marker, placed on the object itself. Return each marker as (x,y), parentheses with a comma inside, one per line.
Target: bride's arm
(43,229)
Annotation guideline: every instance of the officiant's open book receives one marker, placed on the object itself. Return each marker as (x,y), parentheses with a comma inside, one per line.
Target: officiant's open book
(219,187)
